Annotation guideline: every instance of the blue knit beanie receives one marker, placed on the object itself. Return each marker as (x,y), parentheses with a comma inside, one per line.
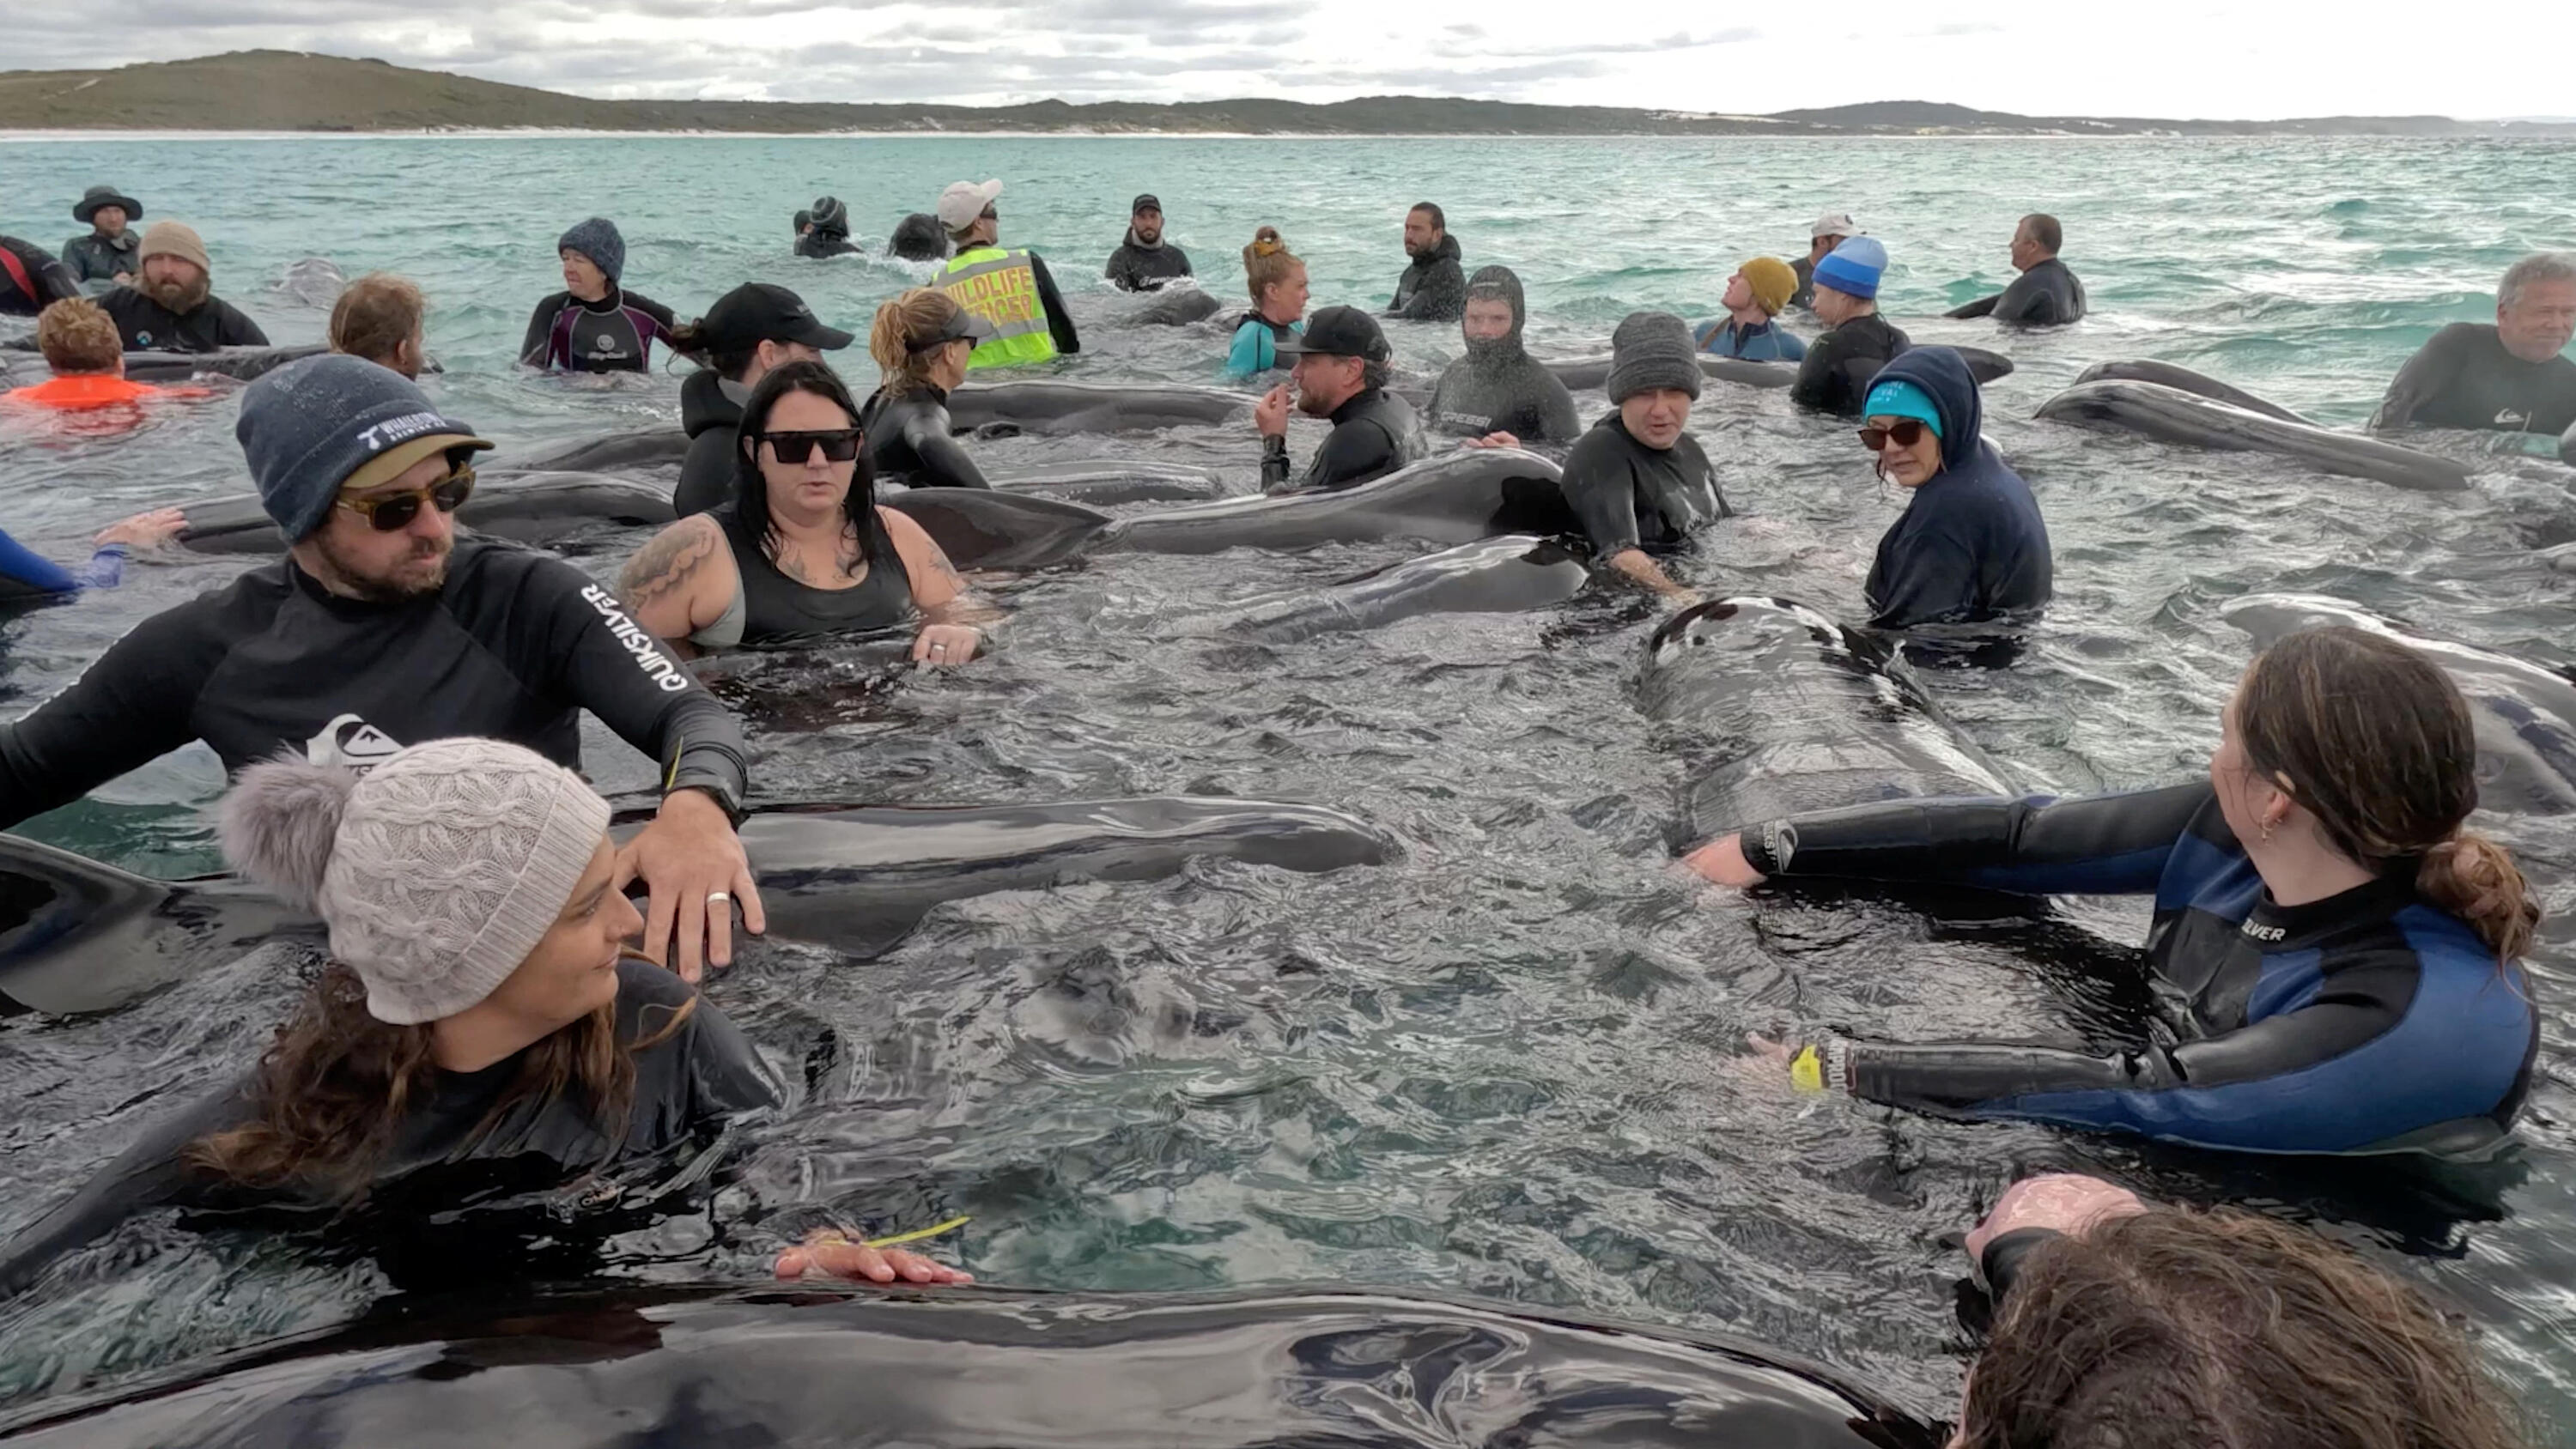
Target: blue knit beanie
(1854,267)
(598,240)
(313,426)
(1898,398)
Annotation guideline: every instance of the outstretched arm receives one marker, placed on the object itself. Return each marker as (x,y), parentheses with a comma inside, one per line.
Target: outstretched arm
(955,619)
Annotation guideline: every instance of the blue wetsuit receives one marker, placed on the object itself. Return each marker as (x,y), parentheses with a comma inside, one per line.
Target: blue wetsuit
(2370,1021)
(1256,344)
(1767,342)
(25,575)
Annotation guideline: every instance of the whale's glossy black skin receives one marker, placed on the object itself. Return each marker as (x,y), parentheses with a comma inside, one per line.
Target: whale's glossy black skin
(706,1366)
(1805,714)
(1174,306)
(2171,415)
(2524,713)
(1057,408)
(1456,498)
(2169,375)
(1591,372)
(607,453)
(1503,575)
(532,508)
(21,366)
(1112,480)
(313,281)
(76,935)
(2567,446)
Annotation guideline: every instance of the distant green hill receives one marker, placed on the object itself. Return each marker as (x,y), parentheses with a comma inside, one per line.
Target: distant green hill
(270,90)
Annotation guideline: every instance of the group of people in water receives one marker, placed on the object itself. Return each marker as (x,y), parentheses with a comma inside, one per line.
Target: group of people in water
(2335,956)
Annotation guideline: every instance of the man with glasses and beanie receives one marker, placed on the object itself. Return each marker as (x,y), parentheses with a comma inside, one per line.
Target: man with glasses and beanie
(1009,288)
(1971,547)
(1145,261)
(1339,373)
(382,628)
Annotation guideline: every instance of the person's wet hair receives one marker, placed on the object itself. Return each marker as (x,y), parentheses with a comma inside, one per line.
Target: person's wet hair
(2045,231)
(2533,270)
(76,335)
(375,316)
(901,320)
(1439,218)
(2186,1330)
(2373,739)
(1267,262)
(751,487)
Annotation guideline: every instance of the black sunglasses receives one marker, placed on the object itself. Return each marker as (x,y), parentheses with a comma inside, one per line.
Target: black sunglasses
(1906,431)
(989,214)
(839,445)
(394,511)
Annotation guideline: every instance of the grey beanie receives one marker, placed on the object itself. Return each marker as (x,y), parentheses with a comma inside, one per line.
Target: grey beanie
(1651,349)
(598,240)
(438,871)
(314,425)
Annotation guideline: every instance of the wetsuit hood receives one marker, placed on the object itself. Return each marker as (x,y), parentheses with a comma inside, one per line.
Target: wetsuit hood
(1943,374)
(1155,245)
(707,401)
(1503,282)
(1446,251)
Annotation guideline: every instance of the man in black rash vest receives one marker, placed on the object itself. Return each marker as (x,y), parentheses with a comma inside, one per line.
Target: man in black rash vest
(1637,480)
(31,279)
(172,306)
(1835,376)
(1830,231)
(1145,261)
(105,256)
(1340,373)
(750,332)
(828,235)
(381,628)
(2046,294)
(1498,393)
(594,324)
(2508,377)
(1434,286)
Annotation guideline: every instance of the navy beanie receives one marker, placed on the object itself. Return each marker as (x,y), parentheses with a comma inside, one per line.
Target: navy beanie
(307,427)
(598,240)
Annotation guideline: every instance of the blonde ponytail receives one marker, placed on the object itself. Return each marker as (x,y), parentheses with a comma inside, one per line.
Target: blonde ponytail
(2476,880)
(1267,262)
(919,312)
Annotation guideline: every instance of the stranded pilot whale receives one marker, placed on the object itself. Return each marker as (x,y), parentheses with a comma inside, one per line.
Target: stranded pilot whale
(1801,714)
(1504,575)
(2172,415)
(532,508)
(2170,375)
(2524,713)
(1456,498)
(79,935)
(723,1364)
(1591,372)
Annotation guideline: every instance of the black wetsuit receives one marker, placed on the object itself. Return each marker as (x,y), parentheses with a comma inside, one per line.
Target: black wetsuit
(1136,267)
(2368,1021)
(2048,295)
(515,646)
(1836,375)
(1805,296)
(2464,378)
(30,279)
(1971,547)
(613,334)
(686,1085)
(1498,386)
(911,441)
(1631,496)
(1433,288)
(771,606)
(821,243)
(147,326)
(710,410)
(1374,433)
(95,260)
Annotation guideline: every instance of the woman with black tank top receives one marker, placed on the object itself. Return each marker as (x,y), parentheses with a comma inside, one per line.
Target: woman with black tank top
(802,550)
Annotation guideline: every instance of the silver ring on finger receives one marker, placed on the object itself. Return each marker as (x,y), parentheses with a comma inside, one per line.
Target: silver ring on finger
(714,897)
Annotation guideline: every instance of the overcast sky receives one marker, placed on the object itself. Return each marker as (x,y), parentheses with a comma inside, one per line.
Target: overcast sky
(2157,58)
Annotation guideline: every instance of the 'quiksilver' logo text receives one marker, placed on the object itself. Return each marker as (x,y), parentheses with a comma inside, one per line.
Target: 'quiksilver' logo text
(657,666)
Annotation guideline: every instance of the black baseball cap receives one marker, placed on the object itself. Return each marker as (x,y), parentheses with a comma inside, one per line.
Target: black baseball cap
(758,312)
(1147,202)
(1341,332)
(961,326)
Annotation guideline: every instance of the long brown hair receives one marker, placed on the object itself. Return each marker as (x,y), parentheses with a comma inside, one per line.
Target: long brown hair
(1267,262)
(2374,740)
(919,312)
(336,1084)
(2175,1328)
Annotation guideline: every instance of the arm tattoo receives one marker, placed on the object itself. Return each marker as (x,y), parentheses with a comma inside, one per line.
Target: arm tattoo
(664,565)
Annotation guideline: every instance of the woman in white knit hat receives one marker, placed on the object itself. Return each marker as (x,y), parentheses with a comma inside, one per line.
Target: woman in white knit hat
(481,1004)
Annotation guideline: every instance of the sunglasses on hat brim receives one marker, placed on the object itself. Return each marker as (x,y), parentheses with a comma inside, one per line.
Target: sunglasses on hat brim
(1906,431)
(393,512)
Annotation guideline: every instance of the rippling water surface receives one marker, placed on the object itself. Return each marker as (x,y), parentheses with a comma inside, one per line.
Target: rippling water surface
(1503,1064)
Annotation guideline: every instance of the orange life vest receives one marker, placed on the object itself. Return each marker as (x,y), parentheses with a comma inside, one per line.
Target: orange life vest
(88,390)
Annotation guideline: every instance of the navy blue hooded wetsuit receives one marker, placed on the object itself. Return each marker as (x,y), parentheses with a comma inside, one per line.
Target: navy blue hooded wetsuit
(2370,1021)
(1971,547)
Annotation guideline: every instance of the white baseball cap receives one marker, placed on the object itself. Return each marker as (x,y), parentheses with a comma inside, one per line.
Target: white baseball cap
(964,201)
(1833,223)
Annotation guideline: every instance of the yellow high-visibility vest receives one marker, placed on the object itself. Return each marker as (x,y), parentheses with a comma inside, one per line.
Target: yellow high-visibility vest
(1002,288)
